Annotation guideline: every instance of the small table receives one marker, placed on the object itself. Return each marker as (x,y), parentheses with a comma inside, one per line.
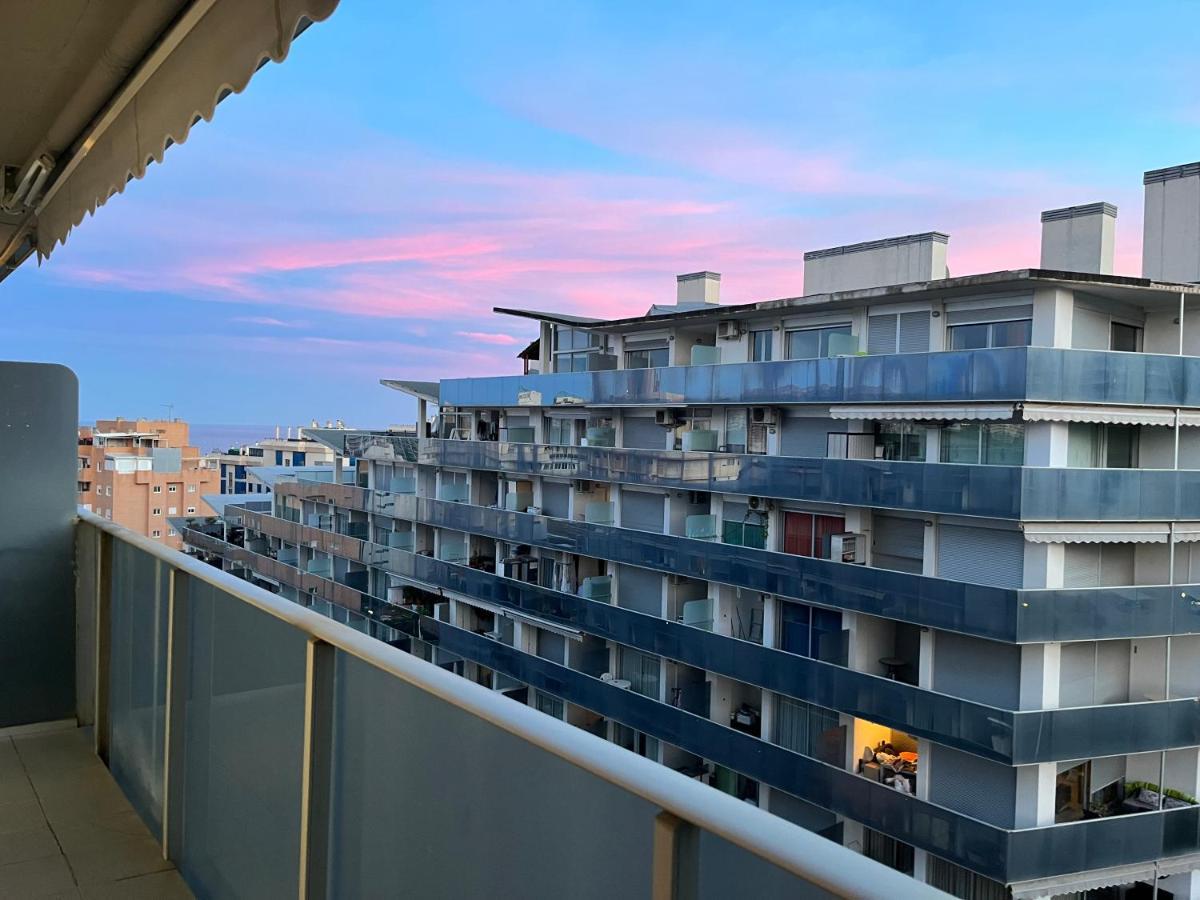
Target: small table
(893,664)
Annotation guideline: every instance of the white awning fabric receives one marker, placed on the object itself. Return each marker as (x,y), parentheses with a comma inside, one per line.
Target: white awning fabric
(210,49)
(919,411)
(1113,415)
(1101,878)
(1097,533)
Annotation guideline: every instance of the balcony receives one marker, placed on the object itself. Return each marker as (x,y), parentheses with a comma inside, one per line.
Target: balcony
(1005,614)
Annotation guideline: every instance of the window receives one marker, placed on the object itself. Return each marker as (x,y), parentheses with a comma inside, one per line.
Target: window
(157,489)
(646,355)
(562,431)
(572,346)
(641,670)
(551,706)
(811,631)
(172,510)
(108,490)
(191,489)
(808,534)
(99,489)
(980,335)
(108,514)
(990,443)
(811,730)
(173,489)
(761,345)
(1095,446)
(735,429)
(814,343)
(191,509)
(156,533)
(157,511)
(903,441)
(1127,338)
(171,532)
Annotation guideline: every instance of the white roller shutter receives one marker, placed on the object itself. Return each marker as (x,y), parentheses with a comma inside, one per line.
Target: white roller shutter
(881,334)
(1081,565)
(990,556)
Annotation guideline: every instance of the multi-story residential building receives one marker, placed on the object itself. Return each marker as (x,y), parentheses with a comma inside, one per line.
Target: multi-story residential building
(909,559)
(139,472)
(234,464)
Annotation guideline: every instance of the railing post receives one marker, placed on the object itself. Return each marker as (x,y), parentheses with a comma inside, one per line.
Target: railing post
(178,584)
(673,869)
(104,579)
(316,777)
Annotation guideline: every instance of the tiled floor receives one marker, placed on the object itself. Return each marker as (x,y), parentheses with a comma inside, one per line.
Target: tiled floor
(66,830)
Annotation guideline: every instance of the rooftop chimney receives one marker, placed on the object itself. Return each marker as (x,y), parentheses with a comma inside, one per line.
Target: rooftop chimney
(1171,236)
(1079,238)
(898,260)
(698,287)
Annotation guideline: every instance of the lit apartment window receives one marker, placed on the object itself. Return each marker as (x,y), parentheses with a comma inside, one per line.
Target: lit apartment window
(157,511)
(173,489)
(191,509)
(156,533)
(157,489)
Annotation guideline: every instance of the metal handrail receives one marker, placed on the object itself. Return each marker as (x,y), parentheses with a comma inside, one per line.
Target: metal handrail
(790,847)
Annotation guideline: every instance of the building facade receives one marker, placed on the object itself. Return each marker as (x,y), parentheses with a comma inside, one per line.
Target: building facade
(234,464)
(911,560)
(140,472)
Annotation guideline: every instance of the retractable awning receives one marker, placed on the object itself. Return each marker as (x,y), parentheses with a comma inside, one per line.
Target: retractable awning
(1102,878)
(1111,415)
(1097,533)
(918,411)
(94,92)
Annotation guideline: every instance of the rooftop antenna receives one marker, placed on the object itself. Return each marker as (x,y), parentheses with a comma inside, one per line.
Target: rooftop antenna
(170,411)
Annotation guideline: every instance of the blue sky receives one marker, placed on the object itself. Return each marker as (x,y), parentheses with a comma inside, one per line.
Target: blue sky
(359,210)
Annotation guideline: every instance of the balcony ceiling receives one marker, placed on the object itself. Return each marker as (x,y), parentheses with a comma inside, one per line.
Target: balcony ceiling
(91,92)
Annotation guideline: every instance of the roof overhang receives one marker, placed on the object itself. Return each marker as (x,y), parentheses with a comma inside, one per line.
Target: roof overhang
(94,92)
(428,391)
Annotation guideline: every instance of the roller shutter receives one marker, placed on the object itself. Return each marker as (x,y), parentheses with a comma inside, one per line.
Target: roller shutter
(642,434)
(990,556)
(642,511)
(555,499)
(898,543)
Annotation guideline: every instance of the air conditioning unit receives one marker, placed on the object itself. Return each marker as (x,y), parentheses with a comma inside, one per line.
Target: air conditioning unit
(756,503)
(764,415)
(848,548)
(667,417)
(729,330)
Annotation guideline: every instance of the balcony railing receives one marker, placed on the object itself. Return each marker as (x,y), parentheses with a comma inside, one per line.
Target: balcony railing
(1008,373)
(1004,614)
(229,717)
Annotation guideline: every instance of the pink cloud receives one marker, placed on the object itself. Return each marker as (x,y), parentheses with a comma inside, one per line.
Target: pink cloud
(485,337)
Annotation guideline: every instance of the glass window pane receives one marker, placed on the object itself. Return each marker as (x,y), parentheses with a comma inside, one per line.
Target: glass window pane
(827,333)
(1012,334)
(1083,443)
(1121,449)
(1126,337)
(803,344)
(968,337)
(1004,445)
(760,346)
(960,443)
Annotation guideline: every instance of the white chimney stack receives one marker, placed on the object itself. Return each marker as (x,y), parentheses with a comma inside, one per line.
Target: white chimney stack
(898,260)
(698,287)
(1171,235)
(1079,238)
(289,437)
(276,432)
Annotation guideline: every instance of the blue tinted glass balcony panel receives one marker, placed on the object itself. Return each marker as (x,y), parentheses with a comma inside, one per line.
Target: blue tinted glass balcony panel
(996,613)
(243,740)
(138,679)
(1009,373)
(382,786)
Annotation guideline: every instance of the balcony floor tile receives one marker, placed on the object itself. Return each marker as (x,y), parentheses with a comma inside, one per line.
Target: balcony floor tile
(66,830)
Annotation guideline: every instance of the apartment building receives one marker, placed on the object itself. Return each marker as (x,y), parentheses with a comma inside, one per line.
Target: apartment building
(910,560)
(139,472)
(235,463)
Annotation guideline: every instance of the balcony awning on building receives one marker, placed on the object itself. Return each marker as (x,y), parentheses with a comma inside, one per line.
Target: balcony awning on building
(94,92)
(1112,415)
(1097,533)
(1102,878)
(916,411)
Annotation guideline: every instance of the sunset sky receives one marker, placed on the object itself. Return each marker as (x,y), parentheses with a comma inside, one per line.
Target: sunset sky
(360,209)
